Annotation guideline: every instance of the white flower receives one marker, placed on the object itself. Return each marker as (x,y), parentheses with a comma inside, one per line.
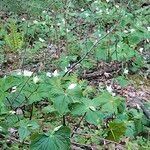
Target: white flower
(125,31)
(12,112)
(41,40)
(109,88)
(35,22)
(58,24)
(14,89)
(63,21)
(113,94)
(97,8)
(107,12)
(43,11)
(108,31)
(23,19)
(99,35)
(132,30)
(27,73)
(107,1)
(19,111)
(19,73)
(66,69)
(48,74)
(141,49)
(148,28)
(72,86)
(117,6)
(68,30)
(96,2)
(126,71)
(82,9)
(12,130)
(36,79)
(86,14)
(55,73)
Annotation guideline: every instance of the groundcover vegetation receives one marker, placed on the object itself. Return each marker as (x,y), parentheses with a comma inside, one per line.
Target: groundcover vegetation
(74,74)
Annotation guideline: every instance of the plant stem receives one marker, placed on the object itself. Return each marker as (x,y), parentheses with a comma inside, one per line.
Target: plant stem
(78,125)
(64,120)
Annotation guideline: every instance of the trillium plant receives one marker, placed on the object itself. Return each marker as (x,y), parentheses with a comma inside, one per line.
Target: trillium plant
(74,75)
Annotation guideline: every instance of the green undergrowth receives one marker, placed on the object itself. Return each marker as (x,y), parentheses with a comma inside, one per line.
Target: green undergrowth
(53,109)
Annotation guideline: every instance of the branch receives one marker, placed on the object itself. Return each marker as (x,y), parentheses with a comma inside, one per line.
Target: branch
(78,125)
(87,53)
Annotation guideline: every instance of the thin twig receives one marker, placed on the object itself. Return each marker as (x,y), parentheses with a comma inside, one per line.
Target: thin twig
(87,53)
(78,125)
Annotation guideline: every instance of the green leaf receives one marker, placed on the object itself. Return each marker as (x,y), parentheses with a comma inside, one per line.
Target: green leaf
(93,117)
(61,104)
(122,81)
(105,100)
(116,130)
(58,140)
(101,53)
(89,107)
(23,133)
(78,109)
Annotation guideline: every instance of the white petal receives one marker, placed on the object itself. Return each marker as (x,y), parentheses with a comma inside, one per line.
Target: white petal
(36,79)
(141,49)
(117,6)
(12,112)
(132,30)
(86,14)
(41,40)
(125,31)
(109,89)
(55,73)
(35,22)
(14,89)
(148,28)
(23,19)
(27,73)
(72,86)
(126,71)
(66,69)
(48,74)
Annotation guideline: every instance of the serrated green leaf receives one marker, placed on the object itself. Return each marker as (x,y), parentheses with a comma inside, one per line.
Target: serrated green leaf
(61,103)
(23,133)
(58,140)
(116,130)
(108,103)
(93,117)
